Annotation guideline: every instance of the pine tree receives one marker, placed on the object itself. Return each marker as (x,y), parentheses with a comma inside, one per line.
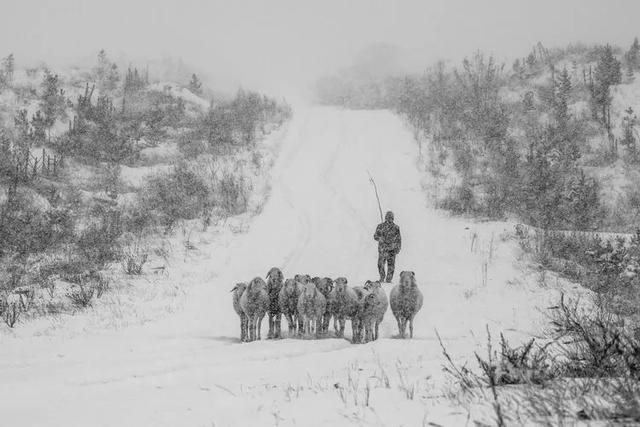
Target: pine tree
(21,123)
(562,92)
(628,140)
(633,55)
(39,125)
(52,101)
(8,67)
(195,85)
(106,72)
(607,73)
(531,59)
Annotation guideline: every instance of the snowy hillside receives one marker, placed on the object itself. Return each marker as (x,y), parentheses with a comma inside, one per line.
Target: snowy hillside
(189,368)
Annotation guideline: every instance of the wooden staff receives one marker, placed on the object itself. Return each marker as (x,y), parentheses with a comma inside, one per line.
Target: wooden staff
(375,188)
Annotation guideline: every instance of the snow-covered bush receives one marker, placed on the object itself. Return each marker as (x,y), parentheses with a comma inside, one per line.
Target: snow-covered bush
(180,194)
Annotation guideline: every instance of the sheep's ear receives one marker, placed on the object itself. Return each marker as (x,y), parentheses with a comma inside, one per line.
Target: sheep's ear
(234,288)
(413,273)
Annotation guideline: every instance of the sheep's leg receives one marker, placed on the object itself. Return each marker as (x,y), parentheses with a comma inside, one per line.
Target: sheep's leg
(375,336)
(289,323)
(411,327)
(335,324)
(278,325)
(400,333)
(367,331)
(271,325)
(244,322)
(360,332)
(341,331)
(250,328)
(259,327)
(354,331)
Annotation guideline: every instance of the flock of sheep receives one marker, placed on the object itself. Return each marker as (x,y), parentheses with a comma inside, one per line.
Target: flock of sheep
(309,304)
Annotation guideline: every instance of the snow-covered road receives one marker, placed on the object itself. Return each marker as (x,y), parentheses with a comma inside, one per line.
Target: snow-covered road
(190,369)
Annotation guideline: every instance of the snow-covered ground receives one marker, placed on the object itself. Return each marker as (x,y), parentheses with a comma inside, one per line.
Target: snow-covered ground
(188,368)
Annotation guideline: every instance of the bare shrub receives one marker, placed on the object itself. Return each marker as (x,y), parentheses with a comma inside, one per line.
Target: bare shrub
(133,259)
(180,194)
(101,284)
(82,294)
(596,343)
(11,313)
(232,194)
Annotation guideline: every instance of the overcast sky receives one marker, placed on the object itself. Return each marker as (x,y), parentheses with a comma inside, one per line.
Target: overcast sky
(282,44)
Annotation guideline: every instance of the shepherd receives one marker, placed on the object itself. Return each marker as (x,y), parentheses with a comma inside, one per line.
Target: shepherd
(389,243)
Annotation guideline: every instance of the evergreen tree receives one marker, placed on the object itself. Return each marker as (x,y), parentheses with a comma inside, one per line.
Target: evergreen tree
(8,68)
(195,85)
(52,101)
(133,82)
(562,96)
(106,73)
(633,55)
(39,125)
(531,60)
(21,123)
(628,140)
(607,73)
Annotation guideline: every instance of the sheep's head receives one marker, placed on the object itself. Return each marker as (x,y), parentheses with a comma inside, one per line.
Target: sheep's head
(290,286)
(275,275)
(407,279)
(371,285)
(370,299)
(324,285)
(340,285)
(302,278)
(256,285)
(239,288)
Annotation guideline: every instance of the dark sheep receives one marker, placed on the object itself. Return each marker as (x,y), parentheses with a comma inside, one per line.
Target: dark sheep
(325,286)
(274,284)
(255,303)
(237,291)
(346,303)
(357,321)
(288,301)
(406,301)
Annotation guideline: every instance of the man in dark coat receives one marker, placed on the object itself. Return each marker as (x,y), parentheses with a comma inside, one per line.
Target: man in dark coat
(389,243)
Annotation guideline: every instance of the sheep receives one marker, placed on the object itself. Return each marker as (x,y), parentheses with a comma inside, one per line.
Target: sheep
(238,290)
(325,286)
(357,320)
(311,307)
(375,305)
(288,301)
(406,301)
(255,303)
(274,284)
(301,281)
(345,303)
